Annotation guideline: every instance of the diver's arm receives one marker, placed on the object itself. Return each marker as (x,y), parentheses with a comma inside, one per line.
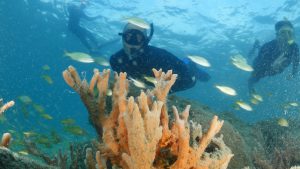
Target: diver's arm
(262,56)
(258,60)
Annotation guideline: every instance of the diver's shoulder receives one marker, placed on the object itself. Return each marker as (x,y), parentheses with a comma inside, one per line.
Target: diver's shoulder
(269,44)
(157,49)
(153,48)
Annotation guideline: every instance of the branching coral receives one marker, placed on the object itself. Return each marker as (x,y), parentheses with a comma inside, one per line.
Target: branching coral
(5,106)
(5,140)
(137,133)
(94,102)
(6,136)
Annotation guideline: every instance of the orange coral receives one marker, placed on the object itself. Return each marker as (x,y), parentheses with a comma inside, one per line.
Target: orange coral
(136,134)
(6,106)
(5,140)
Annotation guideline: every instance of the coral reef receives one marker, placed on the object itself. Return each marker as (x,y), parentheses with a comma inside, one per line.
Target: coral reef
(136,134)
(232,136)
(79,155)
(281,146)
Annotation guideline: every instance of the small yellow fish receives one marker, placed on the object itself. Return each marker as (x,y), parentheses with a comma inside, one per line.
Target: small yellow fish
(244,105)
(293,104)
(199,60)
(47,78)
(102,61)
(29,133)
(138,22)
(46,67)
(46,116)
(254,101)
(38,108)
(283,122)
(240,62)
(150,79)
(25,99)
(76,130)
(257,97)
(243,66)
(43,139)
(80,57)
(138,83)
(227,90)
(67,121)
(23,152)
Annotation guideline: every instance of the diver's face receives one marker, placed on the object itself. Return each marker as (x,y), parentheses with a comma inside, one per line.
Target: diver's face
(286,35)
(133,41)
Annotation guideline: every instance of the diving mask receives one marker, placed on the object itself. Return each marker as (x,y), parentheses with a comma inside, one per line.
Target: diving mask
(133,37)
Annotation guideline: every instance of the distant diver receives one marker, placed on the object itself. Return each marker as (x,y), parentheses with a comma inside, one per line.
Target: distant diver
(276,55)
(138,58)
(86,37)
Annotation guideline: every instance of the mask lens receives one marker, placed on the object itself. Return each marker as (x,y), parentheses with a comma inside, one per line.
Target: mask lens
(286,32)
(133,37)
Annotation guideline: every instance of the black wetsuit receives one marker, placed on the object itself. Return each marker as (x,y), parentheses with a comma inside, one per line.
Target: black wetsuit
(268,53)
(86,37)
(153,57)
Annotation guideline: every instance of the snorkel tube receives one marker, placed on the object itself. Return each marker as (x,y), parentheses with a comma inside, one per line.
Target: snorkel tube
(150,35)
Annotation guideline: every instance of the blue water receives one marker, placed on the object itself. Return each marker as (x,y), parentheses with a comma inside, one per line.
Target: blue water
(34,33)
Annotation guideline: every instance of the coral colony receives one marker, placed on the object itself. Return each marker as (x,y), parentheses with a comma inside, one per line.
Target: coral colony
(136,134)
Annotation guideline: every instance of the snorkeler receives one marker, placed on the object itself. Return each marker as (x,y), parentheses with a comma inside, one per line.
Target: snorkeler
(276,55)
(85,36)
(137,59)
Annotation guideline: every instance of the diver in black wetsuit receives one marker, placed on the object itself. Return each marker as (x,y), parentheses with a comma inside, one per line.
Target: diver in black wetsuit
(85,36)
(276,55)
(137,58)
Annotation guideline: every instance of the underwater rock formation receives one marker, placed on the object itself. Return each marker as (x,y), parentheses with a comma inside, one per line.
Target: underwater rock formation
(136,133)
(9,159)
(281,145)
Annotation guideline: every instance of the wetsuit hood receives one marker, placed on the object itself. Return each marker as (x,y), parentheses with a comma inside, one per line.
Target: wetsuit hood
(280,24)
